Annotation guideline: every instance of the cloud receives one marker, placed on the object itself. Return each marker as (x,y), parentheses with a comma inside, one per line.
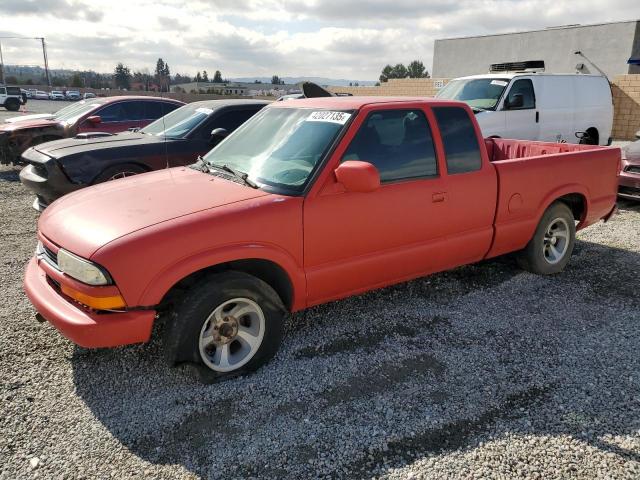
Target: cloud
(333,38)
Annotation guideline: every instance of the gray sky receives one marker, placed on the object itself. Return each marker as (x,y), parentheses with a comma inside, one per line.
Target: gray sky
(329,38)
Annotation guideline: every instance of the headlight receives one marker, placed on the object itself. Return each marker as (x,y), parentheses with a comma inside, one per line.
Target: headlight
(82,269)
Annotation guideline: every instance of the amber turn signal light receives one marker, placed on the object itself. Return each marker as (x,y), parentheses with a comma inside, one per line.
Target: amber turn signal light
(97,303)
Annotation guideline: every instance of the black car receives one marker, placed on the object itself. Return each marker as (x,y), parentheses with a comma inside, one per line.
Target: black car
(62,166)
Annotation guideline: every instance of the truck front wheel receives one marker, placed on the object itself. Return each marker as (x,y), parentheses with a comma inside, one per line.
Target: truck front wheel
(228,325)
(12,104)
(550,249)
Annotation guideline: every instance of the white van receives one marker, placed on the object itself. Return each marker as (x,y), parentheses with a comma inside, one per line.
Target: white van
(571,108)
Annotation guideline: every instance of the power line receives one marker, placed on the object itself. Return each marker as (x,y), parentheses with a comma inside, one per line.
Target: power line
(44,56)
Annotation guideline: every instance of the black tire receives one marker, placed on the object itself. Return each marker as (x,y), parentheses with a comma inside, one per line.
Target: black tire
(12,104)
(191,315)
(117,171)
(592,137)
(538,256)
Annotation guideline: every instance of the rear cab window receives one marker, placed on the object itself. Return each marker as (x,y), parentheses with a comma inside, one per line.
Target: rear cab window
(462,152)
(398,143)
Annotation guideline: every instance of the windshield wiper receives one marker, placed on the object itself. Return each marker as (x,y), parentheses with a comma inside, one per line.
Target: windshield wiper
(241,175)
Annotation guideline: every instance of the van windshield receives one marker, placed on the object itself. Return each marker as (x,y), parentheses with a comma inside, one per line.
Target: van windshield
(483,93)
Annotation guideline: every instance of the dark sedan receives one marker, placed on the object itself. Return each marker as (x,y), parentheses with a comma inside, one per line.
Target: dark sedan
(57,168)
(111,115)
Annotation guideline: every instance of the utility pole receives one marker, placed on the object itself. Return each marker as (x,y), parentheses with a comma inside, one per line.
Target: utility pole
(1,65)
(46,62)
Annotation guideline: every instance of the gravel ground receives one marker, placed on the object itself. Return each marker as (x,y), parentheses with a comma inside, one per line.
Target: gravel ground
(484,371)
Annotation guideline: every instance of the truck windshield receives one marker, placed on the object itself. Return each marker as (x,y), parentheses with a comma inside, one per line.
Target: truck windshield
(179,122)
(483,93)
(280,147)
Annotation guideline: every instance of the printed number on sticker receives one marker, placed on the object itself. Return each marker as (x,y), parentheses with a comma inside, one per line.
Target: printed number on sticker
(327,116)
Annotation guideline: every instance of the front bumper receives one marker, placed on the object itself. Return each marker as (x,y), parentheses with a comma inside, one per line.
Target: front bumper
(629,185)
(44,177)
(82,326)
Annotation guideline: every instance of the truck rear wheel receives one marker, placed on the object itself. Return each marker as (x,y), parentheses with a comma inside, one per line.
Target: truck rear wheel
(550,249)
(226,326)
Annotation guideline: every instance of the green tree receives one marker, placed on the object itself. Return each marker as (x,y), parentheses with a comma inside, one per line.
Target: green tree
(76,81)
(387,73)
(275,80)
(217,77)
(197,78)
(11,79)
(205,76)
(400,71)
(416,69)
(122,76)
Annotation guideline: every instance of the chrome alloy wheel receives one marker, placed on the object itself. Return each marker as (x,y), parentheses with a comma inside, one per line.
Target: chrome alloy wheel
(232,334)
(556,241)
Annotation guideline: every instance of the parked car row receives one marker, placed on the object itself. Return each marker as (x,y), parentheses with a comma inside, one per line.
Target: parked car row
(303,202)
(57,94)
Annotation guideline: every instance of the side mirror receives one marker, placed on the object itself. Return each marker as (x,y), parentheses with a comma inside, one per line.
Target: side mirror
(357,176)
(516,101)
(638,134)
(218,134)
(94,119)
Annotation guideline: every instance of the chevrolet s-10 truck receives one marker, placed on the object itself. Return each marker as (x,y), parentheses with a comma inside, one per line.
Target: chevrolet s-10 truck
(310,201)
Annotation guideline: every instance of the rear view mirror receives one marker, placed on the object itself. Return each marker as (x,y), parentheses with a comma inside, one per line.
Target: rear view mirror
(516,101)
(219,133)
(357,176)
(94,119)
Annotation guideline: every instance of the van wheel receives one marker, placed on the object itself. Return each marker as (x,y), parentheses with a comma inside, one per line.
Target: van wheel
(12,104)
(226,326)
(550,249)
(118,171)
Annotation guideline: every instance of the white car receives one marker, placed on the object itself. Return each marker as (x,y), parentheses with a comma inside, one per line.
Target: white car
(40,95)
(73,95)
(56,95)
(89,95)
(571,108)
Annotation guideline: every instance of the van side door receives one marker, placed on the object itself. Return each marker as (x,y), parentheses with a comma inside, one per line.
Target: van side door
(556,103)
(521,115)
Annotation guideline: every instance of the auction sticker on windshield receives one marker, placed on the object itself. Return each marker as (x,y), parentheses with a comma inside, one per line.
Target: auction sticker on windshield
(328,116)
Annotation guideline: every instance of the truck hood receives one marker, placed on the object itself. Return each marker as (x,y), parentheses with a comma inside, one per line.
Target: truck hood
(88,219)
(26,118)
(25,124)
(72,146)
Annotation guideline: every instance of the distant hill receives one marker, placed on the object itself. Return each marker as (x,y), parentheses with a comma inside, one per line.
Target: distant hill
(334,82)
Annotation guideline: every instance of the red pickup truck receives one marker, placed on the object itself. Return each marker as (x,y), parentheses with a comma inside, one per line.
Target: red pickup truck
(309,201)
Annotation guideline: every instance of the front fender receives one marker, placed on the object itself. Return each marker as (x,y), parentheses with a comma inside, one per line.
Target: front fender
(169,276)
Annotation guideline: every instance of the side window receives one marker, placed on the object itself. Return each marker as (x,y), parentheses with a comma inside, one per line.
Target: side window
(155,110)
(232,119)
(398,142)
(133,110)
(3,91)
(460,141)
(522,87)
(112,113)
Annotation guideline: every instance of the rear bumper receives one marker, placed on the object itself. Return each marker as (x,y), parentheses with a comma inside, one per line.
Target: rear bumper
(629,185)
(44,177)
(84,327)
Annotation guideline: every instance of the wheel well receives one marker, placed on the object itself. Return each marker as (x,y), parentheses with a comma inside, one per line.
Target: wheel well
(577,203)
(267,271)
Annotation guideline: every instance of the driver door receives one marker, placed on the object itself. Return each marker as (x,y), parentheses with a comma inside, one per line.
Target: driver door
(521,122)
(357,241)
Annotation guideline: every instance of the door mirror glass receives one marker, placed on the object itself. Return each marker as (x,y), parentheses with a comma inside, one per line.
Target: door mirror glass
(218,134)
(358,176)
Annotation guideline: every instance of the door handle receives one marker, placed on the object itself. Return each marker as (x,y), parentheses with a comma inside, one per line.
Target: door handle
(537,117)
(439,197)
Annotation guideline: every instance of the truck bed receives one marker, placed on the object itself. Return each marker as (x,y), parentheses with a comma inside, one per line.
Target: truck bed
(531,175)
